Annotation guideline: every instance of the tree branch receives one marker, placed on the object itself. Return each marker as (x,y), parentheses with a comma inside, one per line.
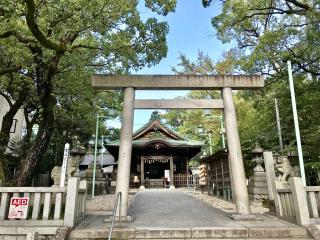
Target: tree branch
(302,66)
(19,37)
(6,97)
(35,30)
(305,6)
(9,70)
(86,46)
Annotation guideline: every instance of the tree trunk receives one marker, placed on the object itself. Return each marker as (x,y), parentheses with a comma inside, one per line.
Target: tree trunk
(7,121)
(45,73)
(38,148)
(30,124)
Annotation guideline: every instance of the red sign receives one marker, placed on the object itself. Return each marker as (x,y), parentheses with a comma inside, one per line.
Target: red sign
(19,201)
(18,207)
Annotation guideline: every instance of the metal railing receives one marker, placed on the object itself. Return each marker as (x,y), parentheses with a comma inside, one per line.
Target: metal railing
(118,203)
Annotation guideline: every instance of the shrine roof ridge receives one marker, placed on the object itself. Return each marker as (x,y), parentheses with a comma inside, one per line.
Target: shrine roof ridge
(169,142)
(182,82)
(152,122)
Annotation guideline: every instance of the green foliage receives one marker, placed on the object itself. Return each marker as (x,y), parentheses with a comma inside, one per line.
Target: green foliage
(203,65)
(49,50)
(265,35)
(162,7)
(269,33)
(256,113)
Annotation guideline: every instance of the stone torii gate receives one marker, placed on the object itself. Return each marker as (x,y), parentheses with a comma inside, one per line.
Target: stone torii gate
(225,83)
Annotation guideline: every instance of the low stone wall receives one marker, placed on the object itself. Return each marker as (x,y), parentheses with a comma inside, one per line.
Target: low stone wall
(297,203)
(49,209)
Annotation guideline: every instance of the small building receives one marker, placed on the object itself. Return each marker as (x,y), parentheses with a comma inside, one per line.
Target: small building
(105,160)
(219,175)
(17,131)
(18,128)
(158,152)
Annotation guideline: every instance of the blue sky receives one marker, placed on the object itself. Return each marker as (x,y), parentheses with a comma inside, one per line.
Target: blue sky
(190,31)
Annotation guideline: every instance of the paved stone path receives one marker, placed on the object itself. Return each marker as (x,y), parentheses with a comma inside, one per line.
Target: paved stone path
(166,213)
(172,209)
(222,204)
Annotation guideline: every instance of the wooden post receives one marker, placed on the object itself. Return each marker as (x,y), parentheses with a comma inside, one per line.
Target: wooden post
(71,202)
(142,186)
(171,174)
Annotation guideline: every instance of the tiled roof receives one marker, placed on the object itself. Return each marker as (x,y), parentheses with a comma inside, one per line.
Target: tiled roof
(169,142)
(168,136)
(106,159)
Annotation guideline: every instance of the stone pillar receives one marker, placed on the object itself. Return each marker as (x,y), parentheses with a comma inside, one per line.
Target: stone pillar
(270,174)
(300,203)
(125,150)
(100,183)
(142,186)
(240,192)
(258,186)
(171,174)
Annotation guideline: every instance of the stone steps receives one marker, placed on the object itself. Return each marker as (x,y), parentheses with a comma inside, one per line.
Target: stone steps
(194,233)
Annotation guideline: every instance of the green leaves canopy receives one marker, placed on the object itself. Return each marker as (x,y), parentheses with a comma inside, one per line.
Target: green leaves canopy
(269,33)
(50,48)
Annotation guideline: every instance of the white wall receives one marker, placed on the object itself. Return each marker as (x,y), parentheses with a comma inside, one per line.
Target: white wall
(19,124)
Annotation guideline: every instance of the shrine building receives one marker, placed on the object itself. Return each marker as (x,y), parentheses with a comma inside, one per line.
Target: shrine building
(158,155)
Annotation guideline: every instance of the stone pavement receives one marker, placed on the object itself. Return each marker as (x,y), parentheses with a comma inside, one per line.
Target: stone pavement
(165,208)
(170,213)
(226,206)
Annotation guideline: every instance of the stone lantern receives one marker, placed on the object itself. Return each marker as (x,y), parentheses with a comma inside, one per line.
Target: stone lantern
(76,154)
(257,157)
(258,187)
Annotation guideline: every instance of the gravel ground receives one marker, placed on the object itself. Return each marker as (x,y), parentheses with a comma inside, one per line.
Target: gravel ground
(223,204)
(103,205)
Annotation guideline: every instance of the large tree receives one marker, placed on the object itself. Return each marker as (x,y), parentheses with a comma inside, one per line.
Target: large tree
(269,33)
(251,122)
(42,41)
(255,111)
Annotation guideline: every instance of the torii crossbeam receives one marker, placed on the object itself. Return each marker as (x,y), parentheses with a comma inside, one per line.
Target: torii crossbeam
(177,82)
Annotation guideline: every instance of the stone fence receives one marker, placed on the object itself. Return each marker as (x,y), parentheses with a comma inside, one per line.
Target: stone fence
(49,208)
(297,203)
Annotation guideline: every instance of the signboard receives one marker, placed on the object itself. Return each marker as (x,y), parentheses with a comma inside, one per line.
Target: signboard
(18,207)
(64,164)
(167,175)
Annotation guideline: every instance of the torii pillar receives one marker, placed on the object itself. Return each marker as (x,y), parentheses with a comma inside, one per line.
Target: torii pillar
(125,149)
(225,83)
(240,191)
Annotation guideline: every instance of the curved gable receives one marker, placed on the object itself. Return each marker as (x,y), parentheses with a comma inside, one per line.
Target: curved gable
(155,128)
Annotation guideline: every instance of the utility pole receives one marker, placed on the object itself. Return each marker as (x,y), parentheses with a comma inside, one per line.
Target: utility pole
(222,131)
(278,124)
(210,143)
(95,156)
(296,124)
(101,151)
